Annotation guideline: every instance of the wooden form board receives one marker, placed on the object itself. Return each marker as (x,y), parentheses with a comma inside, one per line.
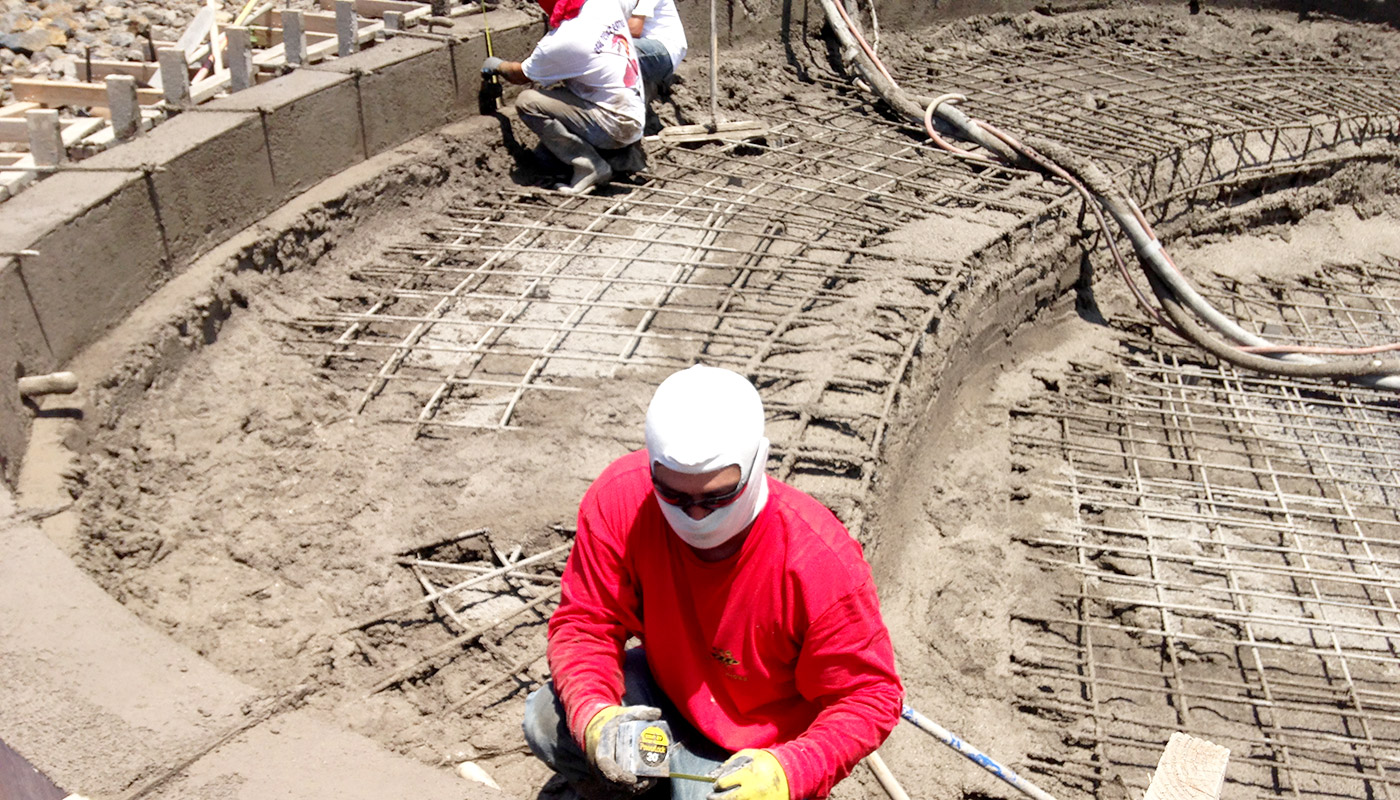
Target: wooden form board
(318,46)
(376,8)
(78,95)
(17,109)
(142,71)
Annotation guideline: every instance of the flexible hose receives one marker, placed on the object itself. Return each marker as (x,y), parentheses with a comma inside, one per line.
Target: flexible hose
(1245,347)
(979,758)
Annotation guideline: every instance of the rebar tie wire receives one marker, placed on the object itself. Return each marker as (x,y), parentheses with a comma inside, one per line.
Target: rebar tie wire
(1181,304)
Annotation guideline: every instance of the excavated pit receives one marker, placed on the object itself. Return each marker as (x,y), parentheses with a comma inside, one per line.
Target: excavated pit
(371,413)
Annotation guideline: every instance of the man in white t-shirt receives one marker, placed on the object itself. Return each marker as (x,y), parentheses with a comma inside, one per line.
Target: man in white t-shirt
(590,96)
(660,39)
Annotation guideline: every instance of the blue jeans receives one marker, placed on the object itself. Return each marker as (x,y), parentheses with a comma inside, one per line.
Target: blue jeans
(547,733)
(655,62)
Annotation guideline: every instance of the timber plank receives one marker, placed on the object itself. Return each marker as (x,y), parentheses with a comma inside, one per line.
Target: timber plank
(67,93)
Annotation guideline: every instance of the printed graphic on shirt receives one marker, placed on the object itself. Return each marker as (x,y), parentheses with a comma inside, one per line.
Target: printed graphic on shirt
(617,39)
(731,663)
(724,657)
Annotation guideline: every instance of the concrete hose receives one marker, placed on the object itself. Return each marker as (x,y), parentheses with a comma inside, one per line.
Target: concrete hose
(1166,280)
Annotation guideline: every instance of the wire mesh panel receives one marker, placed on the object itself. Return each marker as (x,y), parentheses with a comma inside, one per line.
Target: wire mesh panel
(1232,565)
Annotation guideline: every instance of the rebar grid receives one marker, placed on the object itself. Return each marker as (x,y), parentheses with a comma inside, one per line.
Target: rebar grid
(1178,128)
(756,260)
(481,613)
(1231,567)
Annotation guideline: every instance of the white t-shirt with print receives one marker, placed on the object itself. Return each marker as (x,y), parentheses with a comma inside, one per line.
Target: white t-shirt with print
(592,55)
(663,24)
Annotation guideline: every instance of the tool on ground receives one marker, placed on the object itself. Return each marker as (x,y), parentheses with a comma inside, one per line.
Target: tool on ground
(973,754)
(714,129)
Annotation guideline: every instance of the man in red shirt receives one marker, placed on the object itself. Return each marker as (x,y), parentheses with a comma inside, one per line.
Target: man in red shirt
(761,638)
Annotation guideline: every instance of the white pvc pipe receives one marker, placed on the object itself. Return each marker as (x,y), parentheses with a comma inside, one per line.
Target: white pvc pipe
(974,755)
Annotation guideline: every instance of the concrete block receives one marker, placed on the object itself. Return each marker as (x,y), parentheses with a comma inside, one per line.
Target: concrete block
(305,154)
(174,76)
(345,25)
(217,177)
(294,37)
(45,137)
(100,254)
(124,107)
(406,89)
(240,58)
(22,351)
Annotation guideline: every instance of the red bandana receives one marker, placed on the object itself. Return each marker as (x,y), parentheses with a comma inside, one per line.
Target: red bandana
(560,10)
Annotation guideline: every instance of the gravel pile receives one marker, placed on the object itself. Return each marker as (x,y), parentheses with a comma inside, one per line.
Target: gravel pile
(50,38)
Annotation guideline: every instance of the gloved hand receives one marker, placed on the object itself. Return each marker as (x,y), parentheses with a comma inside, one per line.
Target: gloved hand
(751,775)
(491,66)
(600,740)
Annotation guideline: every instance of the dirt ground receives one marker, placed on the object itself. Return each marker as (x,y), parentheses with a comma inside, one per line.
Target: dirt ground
(245,509)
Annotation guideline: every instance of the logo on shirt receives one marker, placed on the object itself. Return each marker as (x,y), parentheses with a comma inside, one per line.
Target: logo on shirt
(616,39)
(724,657)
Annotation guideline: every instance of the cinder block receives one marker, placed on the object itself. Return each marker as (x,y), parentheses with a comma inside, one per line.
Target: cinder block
(313,125)
(22,351)
(405,89)
(100,254)
(216,177)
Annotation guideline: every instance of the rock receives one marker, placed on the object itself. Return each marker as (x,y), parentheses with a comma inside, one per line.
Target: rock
(66,66)
(26,42)
(113,13)
(472,772)
(20,64)
(6,57)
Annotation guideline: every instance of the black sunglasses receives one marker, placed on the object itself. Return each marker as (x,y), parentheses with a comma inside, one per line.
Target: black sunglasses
(685,501)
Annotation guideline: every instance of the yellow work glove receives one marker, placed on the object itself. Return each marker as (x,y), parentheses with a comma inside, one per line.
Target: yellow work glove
(600,741)
(751,775)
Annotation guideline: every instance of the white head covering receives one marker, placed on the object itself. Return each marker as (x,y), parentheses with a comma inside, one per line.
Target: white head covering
(704,419)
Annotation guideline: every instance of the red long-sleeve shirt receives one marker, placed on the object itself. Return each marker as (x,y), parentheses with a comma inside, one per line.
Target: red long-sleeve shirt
(780,646)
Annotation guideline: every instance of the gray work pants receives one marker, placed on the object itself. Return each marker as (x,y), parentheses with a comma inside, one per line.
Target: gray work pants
(547,733)
(588,121)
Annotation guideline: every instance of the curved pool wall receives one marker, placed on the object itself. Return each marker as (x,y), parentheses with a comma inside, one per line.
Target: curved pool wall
(80,250)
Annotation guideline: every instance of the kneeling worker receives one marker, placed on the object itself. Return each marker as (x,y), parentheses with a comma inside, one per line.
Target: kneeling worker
(660,40)
(591,88)
(762,643)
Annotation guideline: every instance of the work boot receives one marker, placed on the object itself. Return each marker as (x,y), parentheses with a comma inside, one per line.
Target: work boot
(631,158)
(589,168)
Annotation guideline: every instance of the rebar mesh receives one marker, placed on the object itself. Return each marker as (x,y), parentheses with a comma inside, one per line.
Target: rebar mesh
(1233,561)
(757,257)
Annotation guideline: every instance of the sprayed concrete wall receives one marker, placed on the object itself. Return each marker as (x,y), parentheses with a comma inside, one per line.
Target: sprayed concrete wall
(80,250)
